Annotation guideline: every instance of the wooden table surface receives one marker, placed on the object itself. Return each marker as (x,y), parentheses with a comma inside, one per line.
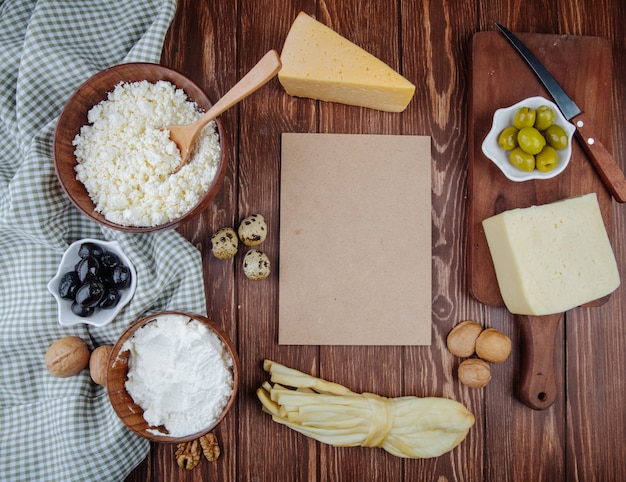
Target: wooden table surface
(581,436)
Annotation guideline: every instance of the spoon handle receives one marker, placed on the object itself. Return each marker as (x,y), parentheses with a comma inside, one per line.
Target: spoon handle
(258,76)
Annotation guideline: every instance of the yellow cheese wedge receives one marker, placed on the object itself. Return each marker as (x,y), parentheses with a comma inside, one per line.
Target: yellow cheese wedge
(318,63)
(551,258)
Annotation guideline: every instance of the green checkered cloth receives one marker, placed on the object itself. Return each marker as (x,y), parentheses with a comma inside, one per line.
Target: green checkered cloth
(54,429)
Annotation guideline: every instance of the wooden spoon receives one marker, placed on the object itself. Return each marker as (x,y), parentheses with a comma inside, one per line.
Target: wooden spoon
(261,73)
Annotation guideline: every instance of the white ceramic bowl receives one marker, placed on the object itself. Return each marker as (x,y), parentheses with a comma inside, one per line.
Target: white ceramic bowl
(503,118)
(101,317)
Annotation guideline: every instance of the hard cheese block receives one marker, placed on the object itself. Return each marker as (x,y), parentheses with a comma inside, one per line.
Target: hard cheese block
(319,63)
(551,258)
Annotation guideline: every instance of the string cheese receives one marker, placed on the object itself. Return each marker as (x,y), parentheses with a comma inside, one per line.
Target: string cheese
(408,427)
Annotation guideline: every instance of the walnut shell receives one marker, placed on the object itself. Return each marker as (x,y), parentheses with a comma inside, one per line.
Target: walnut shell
(67,356)
(99,363)
(474,372)
(493,346)
(461,340)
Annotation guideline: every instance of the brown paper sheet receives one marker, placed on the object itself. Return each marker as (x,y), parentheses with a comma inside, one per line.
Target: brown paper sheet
(355,240)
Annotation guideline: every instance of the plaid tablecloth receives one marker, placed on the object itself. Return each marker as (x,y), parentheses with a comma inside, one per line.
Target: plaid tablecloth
(54,429)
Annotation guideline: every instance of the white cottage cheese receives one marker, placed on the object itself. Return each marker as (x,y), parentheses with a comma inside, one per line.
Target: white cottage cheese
(126,161)
(180,373)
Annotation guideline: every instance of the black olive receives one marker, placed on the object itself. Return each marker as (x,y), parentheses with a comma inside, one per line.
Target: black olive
(88,269)
(68,285)
(121,277)
(106,277)
(83,311)
(110,299)
(109,260)
(90,249)
(97,280)
(90,294)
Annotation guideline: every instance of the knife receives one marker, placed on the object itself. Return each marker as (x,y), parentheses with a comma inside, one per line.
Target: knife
(609,171)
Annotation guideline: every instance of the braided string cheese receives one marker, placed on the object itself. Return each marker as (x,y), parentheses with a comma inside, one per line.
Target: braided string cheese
(330,413)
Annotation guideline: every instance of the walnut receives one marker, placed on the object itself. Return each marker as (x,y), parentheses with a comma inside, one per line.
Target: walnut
(493,346)
(474,373)
(188,454)
(210,447)
(67,356)
(461,340)
(99,364)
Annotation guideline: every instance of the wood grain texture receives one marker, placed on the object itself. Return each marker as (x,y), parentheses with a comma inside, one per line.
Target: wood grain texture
(500,78)
(580,437)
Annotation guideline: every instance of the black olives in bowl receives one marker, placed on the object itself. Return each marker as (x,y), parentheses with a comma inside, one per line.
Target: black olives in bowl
(94,281)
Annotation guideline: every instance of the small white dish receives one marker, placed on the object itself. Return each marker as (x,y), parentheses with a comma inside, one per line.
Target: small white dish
(100,317)
(503,118)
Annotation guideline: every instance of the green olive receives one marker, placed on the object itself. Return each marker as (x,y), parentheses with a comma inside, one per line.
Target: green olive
(556,136)
(546,160)
(508,138)
(544,117)
(524,117)
(522,160)
(530,140)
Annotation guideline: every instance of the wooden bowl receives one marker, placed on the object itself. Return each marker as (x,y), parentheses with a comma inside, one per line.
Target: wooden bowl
(124,406)
(74,116)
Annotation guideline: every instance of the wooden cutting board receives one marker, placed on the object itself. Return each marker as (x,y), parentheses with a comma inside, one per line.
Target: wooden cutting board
(499,77)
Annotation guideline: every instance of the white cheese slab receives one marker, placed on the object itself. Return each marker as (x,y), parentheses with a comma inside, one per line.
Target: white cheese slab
(551,258)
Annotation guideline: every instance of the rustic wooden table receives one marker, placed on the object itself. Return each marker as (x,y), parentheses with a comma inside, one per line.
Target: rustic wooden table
(581,436)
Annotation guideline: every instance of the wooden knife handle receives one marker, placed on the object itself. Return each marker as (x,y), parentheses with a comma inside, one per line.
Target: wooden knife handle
(610,172)
(537,384)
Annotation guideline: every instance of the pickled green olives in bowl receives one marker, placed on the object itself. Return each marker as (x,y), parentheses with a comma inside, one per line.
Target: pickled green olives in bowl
(94,281)
(530,140)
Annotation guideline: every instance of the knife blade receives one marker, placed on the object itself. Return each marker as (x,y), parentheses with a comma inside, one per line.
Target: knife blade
(607,168)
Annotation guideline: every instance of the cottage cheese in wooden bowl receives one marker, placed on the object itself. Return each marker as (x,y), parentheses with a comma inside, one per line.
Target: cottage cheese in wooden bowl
(114,157)
(173,376)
